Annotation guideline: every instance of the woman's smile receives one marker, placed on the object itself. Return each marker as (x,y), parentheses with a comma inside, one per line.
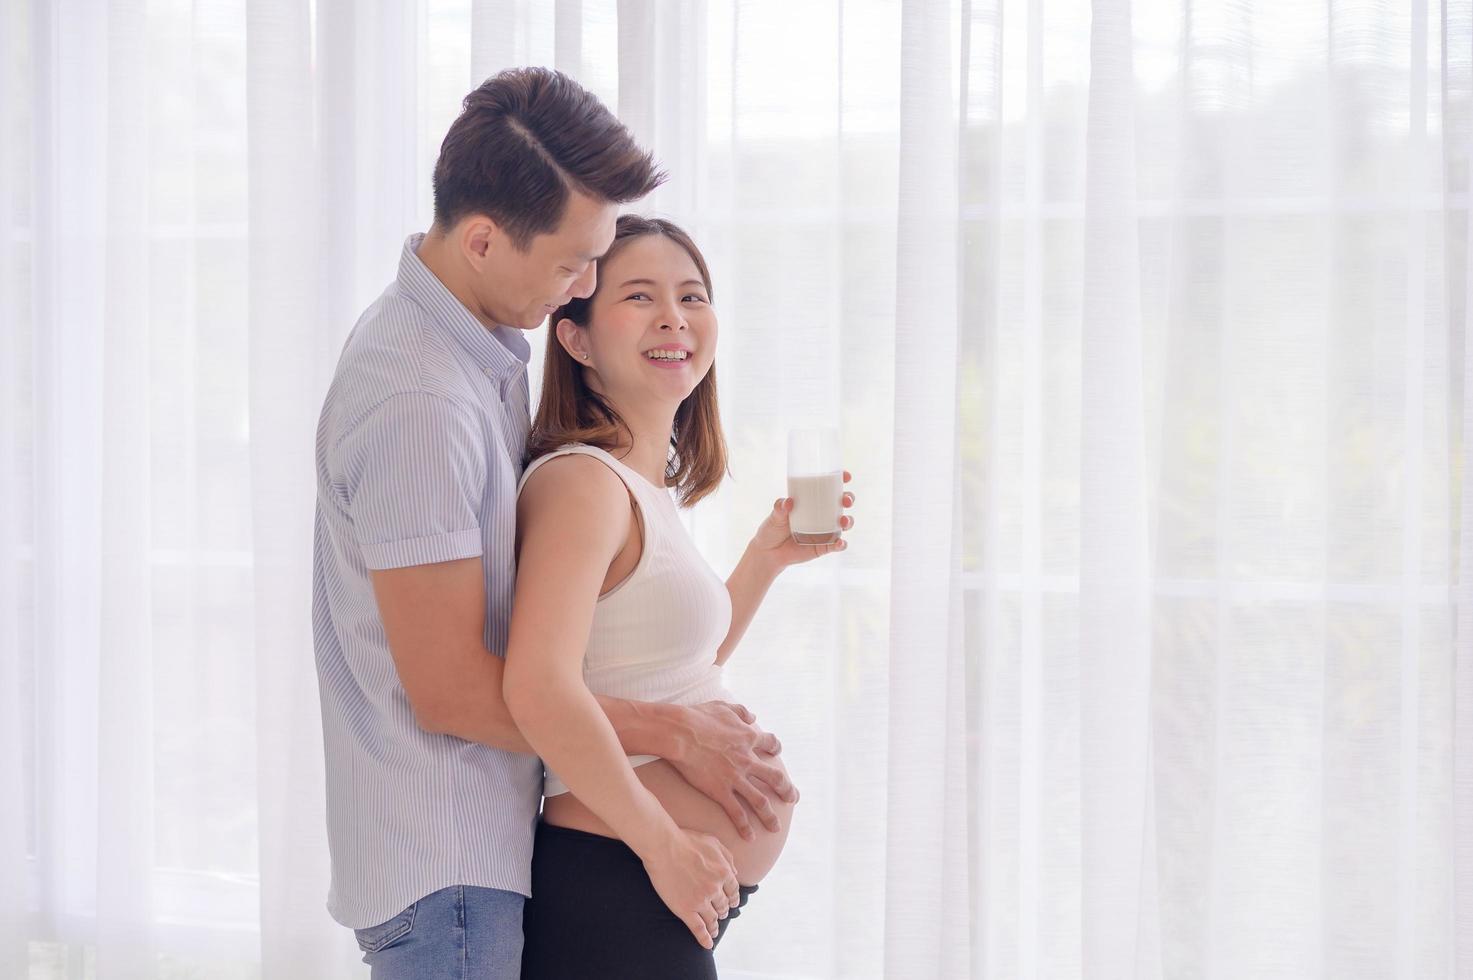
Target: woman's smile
(669,357)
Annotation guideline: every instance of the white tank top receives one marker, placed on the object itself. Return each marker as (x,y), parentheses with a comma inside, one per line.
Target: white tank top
(655,635)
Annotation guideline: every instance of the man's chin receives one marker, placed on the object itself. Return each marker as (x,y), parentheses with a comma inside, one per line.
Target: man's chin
(525,322)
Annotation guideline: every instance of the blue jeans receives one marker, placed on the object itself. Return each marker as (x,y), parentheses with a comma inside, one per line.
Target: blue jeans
(458,933)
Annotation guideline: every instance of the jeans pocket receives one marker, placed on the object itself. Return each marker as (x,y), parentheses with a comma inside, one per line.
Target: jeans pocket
(385,934)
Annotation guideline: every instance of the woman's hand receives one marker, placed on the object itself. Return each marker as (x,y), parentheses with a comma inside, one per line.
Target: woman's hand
(696,879)
(771,550)
(774,543)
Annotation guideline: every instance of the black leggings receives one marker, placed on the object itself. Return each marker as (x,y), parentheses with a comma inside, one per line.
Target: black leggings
(593,913)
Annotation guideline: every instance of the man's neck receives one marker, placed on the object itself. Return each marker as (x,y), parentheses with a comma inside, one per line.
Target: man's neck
(439,256)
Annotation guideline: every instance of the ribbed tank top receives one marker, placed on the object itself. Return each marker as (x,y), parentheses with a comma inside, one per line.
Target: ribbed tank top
(655,634)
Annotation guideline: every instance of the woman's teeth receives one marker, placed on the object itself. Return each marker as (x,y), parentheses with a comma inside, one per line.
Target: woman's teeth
(667,355)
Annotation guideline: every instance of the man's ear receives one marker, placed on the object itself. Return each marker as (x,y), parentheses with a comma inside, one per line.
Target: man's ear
(572,338)
(479,239)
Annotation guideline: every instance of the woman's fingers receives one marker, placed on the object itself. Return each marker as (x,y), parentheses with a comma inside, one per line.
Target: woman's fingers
(730,861)
(705,933)
(819,550)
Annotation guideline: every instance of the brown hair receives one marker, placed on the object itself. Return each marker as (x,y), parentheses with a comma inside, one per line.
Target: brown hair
(570,411)
(522,140)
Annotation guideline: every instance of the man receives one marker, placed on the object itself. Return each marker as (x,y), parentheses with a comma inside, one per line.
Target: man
(432,792)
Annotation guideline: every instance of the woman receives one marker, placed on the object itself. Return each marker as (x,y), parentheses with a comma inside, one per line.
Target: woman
(631,862)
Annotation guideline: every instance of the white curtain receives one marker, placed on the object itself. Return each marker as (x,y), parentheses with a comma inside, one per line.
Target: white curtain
(1146,326)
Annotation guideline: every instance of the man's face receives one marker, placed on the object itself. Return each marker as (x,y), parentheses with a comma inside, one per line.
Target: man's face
(520,288)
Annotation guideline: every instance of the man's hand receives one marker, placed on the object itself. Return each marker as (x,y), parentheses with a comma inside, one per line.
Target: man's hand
(723,753)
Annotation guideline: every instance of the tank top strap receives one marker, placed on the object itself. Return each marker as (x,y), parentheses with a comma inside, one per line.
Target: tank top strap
(655,504)
(627,474)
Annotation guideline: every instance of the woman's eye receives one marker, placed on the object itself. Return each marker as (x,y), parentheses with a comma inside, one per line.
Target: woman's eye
(692,298)
(637,296)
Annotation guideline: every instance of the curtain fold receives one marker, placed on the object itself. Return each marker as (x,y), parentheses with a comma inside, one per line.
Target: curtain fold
(287,375)
(926,868)
(125,710)
(17,901)
(1115,572)
(1461,951)
(70,136)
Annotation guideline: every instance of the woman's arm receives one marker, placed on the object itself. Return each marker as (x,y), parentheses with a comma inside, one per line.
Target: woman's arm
(573,517)
(771,550)
(747,586)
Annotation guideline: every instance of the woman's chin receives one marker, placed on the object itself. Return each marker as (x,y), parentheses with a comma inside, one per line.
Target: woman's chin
(672,390)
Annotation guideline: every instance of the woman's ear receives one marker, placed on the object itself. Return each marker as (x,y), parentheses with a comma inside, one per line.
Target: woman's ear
(574,339)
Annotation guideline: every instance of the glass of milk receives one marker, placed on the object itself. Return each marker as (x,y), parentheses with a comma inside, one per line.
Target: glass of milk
(816,484)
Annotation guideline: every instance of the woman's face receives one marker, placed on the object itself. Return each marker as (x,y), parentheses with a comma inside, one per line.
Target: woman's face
(651,332)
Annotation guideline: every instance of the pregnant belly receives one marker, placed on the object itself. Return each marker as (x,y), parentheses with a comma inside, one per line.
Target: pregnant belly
(691,809)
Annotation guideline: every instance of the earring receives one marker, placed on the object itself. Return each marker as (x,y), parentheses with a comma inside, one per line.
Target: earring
(585,357)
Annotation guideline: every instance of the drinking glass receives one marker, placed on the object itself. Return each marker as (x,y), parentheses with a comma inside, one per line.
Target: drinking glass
(816,484)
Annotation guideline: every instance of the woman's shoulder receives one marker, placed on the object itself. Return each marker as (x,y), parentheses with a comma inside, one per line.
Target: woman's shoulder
(573,494)
(573,474)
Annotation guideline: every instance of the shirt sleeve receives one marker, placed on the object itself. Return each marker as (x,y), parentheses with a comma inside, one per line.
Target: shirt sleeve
(414,472)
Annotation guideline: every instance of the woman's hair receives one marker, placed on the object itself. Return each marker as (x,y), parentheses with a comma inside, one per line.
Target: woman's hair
(570,411)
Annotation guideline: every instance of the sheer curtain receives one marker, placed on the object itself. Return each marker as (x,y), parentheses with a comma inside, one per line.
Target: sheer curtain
(1146,327)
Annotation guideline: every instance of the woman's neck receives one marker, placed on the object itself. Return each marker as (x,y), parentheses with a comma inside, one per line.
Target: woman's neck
(650,426)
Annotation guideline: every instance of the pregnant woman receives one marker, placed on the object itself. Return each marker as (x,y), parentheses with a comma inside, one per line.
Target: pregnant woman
(634,872)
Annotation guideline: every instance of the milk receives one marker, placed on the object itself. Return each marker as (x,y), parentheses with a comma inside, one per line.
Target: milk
(817,506)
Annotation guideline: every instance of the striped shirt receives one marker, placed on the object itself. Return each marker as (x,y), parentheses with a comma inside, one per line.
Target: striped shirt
(419,448)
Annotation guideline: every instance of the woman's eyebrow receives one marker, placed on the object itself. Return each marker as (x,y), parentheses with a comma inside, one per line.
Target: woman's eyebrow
(651,282)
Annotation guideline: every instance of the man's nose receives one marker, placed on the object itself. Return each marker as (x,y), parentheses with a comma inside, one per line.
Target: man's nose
(586,283)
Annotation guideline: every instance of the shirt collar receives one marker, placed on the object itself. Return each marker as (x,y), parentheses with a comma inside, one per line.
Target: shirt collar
(502,353)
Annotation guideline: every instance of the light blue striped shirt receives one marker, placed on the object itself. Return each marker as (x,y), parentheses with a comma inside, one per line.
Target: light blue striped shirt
(419,449)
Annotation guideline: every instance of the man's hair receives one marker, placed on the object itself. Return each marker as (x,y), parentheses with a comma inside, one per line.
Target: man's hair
(524,139)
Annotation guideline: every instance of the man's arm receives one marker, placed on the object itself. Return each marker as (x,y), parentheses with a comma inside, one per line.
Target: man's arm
(434,617)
